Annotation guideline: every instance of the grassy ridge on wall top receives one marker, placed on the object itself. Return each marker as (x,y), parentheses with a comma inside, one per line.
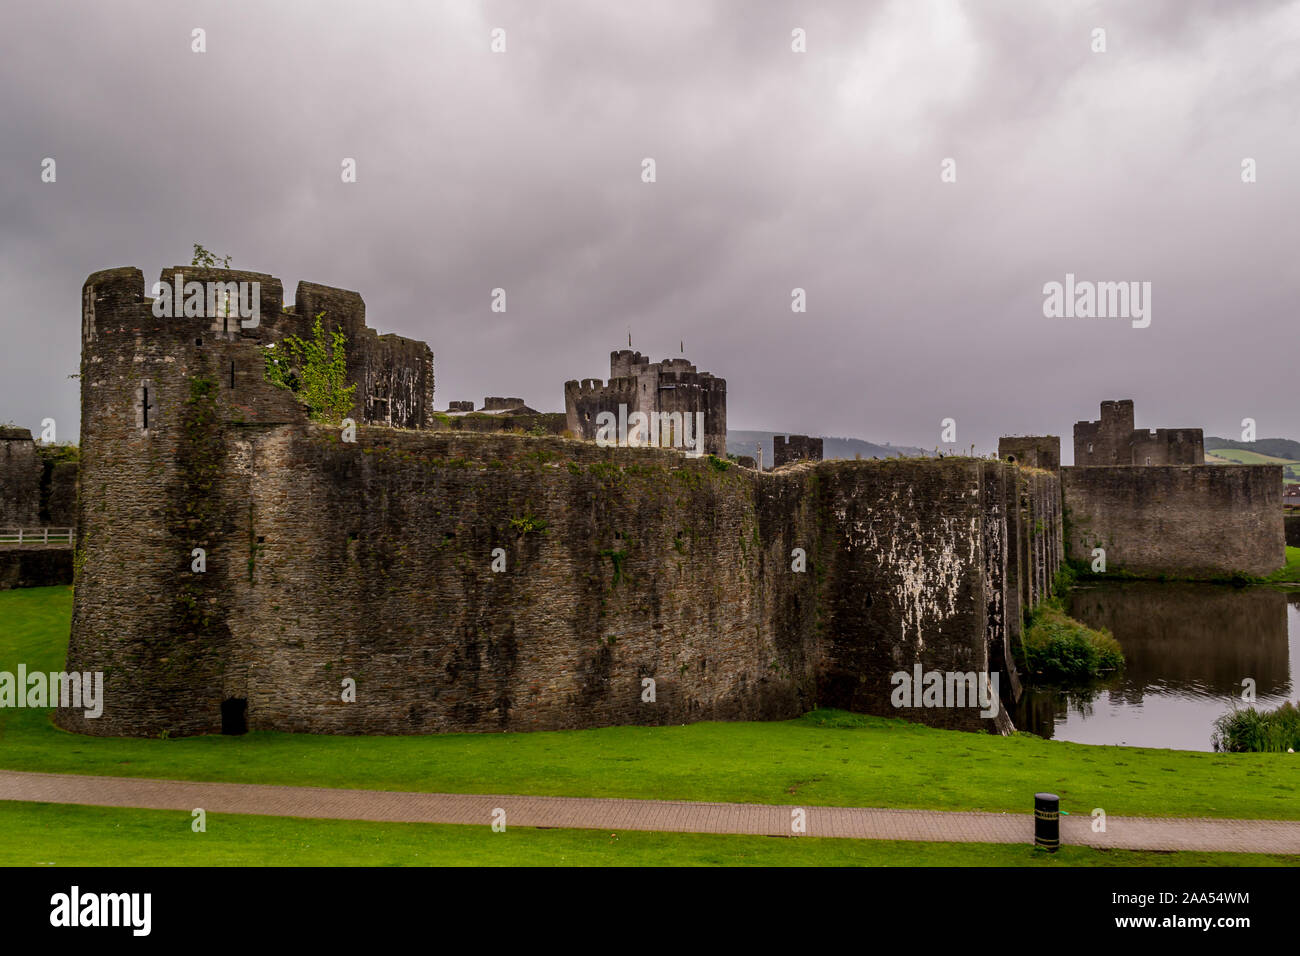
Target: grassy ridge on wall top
(826,758)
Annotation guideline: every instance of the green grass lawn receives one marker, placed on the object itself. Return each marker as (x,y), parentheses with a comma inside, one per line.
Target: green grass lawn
(822,758)
(44,834)
(1291,572)
(1241,456)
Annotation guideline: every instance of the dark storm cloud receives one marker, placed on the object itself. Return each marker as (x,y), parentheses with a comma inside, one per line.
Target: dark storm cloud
(775,170)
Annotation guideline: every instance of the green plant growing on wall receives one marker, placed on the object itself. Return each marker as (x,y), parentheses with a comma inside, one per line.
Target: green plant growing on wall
(78,561)
(528,524)
(617,558)
(208,260)
(315,370)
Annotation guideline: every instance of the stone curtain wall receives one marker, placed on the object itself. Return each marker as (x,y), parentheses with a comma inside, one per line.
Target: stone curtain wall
(795,448)
(1292,527)
(373,561)
(1204,521)
(393,374)
(1037,451)
(59,493)
(20,479)
(552,423)
(34,567)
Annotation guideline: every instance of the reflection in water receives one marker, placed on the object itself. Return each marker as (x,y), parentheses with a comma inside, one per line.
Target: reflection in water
(1188,648)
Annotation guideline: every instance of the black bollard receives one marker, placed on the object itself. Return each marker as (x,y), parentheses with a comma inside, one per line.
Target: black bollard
(1047,821)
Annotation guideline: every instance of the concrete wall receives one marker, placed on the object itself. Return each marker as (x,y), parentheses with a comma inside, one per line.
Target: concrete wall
(1200,521)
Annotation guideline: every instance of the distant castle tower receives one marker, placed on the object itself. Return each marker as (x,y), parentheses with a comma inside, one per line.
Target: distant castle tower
(673,386)
(795,448)
(1113,440)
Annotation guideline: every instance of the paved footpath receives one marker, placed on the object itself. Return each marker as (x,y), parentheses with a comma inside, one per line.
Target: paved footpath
(1133,833)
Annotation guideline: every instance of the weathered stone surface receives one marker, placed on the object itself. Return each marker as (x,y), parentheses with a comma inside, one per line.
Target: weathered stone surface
(1113,440)
(38,483)
(795,448)
(550,423)
(1036,451)
(20,479)
(1205,521)
(672,386)
(35,567)
(372,561)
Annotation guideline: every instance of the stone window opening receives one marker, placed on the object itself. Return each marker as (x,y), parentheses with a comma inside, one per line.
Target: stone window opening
(1089,448)
(234,716)
(146,406)
(232,373)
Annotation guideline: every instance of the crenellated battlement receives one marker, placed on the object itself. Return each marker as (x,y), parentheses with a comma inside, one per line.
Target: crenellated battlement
(1114,440)
(214,324)
(673,386)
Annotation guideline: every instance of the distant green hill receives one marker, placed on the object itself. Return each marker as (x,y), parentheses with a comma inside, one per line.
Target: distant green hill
(740,442)
(1266,451)
(1284,448)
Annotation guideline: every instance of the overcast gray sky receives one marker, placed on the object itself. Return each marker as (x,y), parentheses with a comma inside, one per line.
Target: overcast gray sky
(775,170)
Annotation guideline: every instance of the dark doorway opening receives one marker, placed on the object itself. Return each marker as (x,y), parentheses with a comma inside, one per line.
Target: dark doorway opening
(234,715)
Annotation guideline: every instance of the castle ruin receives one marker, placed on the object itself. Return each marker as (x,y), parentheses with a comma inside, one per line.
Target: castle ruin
(1036,451)
(670,389)
(1113,440)
(242,566)
(786,451)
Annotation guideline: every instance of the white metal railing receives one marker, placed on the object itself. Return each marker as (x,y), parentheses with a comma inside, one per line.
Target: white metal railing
(38,536)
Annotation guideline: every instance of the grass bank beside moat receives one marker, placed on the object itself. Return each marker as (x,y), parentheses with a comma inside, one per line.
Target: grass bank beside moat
(824,758)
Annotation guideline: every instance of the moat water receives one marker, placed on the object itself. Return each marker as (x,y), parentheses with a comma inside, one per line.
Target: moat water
(1188,648)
